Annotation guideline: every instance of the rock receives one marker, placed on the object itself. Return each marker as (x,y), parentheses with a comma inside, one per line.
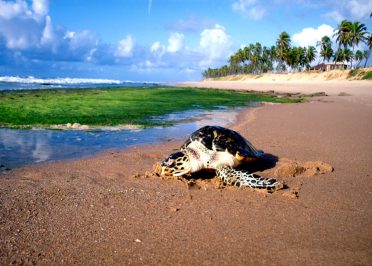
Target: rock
(344,94)
(322,93)
(75,125)
(84,127)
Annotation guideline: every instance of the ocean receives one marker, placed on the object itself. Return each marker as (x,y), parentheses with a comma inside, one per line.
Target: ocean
(32,83)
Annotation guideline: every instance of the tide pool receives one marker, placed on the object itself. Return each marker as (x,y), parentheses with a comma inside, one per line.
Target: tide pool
(22,147)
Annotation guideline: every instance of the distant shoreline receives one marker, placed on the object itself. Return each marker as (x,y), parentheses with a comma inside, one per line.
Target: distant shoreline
(305,86)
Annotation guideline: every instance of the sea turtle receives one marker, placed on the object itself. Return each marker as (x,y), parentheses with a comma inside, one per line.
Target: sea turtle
(221,149)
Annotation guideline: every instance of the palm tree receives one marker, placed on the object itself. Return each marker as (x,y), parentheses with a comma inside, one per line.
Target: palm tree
(342,33)
(347,55)
(357,32)
(273,56)
(310,55)
(343,55)
(296,58)
(326,50)
(367,53)
(338,55)
(283,43)
(366,56)
(240,56)
(256,57)
(359,57)
(267,62)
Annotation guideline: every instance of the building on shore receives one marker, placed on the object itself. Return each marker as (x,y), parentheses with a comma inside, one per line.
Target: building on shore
(330,66)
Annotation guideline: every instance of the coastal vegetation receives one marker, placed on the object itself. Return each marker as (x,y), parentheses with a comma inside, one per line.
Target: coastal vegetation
(283,57)
(119,106)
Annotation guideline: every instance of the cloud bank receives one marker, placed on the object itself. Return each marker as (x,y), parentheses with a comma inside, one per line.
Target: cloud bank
(29,39)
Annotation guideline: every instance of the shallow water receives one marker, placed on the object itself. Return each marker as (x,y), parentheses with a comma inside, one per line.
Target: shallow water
(21,147)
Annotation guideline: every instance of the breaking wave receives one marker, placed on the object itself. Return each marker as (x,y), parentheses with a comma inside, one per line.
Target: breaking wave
(21,83)
(30,79)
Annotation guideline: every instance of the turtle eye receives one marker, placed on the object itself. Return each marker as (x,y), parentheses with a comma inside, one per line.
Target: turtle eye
(170,162)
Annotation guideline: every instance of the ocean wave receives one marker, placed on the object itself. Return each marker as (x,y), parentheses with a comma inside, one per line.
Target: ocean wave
(61,81)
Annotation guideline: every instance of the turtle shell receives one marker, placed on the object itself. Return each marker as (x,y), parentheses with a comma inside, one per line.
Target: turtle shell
(217,138)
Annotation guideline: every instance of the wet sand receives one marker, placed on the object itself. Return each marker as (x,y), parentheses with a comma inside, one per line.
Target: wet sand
(113,208)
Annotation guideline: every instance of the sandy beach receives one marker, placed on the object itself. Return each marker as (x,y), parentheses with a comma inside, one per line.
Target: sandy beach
(113,209)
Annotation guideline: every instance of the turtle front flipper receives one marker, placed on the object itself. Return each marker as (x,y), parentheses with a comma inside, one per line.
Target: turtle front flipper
(233,177)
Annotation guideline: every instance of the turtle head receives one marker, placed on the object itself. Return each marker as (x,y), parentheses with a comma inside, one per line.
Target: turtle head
(176,164)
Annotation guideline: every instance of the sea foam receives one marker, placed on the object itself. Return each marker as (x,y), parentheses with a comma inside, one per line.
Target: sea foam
(33,80)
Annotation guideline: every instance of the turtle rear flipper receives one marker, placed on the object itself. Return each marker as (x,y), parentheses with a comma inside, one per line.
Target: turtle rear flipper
(230,176)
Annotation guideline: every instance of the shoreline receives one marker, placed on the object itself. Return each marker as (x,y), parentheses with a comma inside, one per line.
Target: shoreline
(332,87)
(115,210)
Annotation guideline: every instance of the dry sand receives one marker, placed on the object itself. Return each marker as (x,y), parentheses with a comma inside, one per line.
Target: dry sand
(113,209)
(333,87)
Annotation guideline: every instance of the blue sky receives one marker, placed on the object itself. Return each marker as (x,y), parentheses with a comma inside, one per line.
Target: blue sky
(154,40)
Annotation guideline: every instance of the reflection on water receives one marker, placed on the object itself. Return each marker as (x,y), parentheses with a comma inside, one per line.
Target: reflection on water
(20,147)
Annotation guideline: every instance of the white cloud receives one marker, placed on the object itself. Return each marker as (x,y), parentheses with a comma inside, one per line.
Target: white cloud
(9,10)
(242,5)
(40,7)
(190,24)
(28,34)
(310,36)
(214,47)
(334,15)
(157,49)
(360,9)
(82,39)
(48,32)
(215,44)
(175,42)
(125,47)
(248,8)
(21,26)
(348,9)
(256,13)
(69,35)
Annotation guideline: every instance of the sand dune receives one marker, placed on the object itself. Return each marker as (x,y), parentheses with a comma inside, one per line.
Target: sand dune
(334,75)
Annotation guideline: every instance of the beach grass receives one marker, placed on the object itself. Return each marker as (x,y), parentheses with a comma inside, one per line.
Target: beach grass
(114,106)
(367,75)
(363,74)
